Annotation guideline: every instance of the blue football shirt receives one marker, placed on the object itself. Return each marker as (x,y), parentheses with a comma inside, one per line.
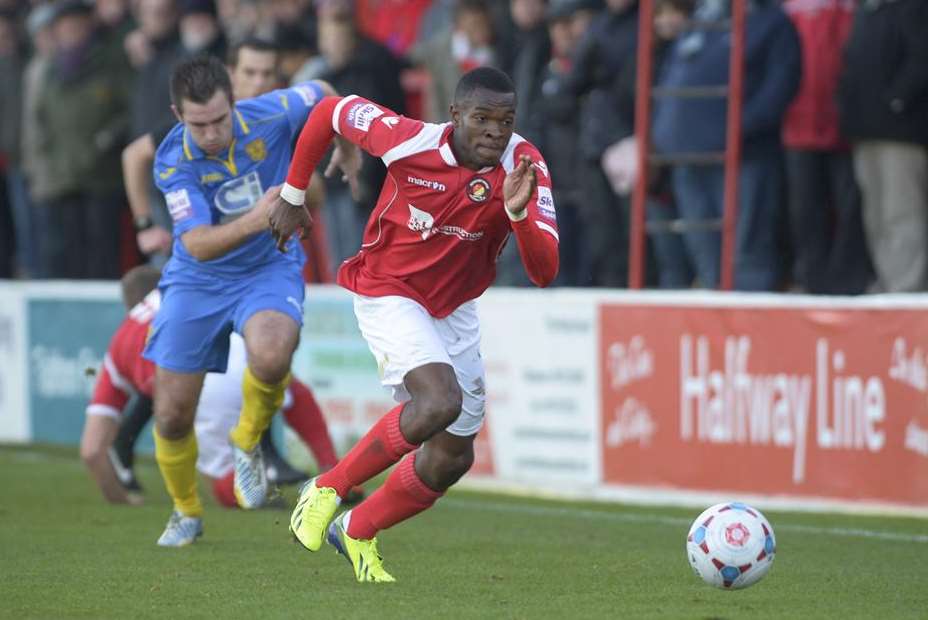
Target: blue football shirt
(205,190)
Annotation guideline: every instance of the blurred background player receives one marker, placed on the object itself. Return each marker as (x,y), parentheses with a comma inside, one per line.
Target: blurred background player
(253,70)
(473,183)
(224,274)
(127,380)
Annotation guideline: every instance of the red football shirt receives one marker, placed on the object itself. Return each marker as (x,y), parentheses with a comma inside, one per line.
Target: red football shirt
(438,227)
(124,369)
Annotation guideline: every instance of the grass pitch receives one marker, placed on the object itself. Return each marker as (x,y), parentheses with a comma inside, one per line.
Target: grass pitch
(65,554)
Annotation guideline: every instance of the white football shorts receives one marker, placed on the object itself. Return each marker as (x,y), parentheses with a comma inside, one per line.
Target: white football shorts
(402,336)
(218,411)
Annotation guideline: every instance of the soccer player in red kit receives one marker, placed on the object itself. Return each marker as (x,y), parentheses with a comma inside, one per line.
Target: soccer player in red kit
(126,372)
(453,196)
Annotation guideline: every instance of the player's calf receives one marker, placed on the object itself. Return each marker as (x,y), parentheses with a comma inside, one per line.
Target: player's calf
(443,460)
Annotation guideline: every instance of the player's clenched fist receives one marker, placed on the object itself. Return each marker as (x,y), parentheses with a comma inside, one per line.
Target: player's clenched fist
(285,219)
(519,187)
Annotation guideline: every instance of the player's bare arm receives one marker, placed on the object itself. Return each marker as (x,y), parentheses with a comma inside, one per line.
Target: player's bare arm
(98,435)
(137,160)
(347,159)
(519,187)
(209,242)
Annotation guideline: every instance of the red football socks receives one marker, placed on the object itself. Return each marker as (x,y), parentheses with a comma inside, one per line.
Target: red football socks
(402,496)
(381,447)
(305,417)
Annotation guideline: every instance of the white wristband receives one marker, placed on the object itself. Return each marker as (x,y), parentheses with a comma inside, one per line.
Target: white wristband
(516,218)
(293,195)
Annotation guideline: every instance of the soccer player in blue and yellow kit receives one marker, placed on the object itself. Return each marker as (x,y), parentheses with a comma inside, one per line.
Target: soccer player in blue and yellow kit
(217,169)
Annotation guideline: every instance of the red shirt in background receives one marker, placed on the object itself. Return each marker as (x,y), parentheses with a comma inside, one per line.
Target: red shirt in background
(124,369)
(395,23)
(812,119)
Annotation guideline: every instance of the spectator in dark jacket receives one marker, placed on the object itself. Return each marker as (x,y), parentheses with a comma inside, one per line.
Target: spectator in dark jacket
(153,49)
(533,51)
(39,178)
(84,116)
(598,61)
(555,133)
(200,32)
(884,112)
(772,70)
(828,239)
(11,69)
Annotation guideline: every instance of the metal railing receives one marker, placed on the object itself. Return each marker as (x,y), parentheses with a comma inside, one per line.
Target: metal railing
(730,157)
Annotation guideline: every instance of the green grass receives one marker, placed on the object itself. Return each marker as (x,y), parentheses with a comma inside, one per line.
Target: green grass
(65,554)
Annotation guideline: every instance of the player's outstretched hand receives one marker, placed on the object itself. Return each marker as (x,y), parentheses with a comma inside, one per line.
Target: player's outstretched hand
(519,187)
(285,219)
(347,158)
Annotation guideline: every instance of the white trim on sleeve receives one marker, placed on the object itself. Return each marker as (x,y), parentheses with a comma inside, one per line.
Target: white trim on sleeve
(549,229)
(103,411)
(447,154)
(509,155)
(426,140)
(338,110)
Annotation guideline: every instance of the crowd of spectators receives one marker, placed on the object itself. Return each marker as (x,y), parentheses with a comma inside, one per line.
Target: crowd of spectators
(834,169)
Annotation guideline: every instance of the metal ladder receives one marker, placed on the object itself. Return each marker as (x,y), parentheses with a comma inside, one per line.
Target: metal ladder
(730,157)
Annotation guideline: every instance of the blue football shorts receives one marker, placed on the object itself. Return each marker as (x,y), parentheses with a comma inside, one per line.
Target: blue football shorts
(191,331)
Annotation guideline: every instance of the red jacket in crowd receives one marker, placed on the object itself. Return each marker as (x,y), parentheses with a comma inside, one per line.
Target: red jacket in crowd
(812,119)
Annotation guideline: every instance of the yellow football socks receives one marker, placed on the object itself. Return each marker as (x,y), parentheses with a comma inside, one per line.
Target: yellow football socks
(177,460)
(260,401)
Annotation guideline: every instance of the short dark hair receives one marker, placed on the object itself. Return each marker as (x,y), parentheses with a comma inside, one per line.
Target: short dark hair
(486,78)
(137,283)
(198,79)
(251,43)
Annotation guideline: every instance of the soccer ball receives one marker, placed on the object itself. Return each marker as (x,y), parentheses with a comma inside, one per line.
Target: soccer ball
(731,546)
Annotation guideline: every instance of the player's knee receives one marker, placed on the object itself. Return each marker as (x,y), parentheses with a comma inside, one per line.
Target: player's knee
(173,428)
(92,453)
(268,364)
(440,408)
(270,344)
(173,419)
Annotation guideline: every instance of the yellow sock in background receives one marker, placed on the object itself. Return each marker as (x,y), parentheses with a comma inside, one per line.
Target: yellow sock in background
(260,401)
(177,460)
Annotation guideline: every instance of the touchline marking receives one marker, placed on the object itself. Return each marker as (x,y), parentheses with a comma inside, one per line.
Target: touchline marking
(653,518)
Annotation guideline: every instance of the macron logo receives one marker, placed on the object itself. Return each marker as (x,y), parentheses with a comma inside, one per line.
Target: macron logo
(390,121)
(438,187)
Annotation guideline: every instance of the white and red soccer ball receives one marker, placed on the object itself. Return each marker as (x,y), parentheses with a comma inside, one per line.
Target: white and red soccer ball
(731,546)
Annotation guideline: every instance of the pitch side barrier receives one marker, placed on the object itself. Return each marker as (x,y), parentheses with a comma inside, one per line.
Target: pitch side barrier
(786,401)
